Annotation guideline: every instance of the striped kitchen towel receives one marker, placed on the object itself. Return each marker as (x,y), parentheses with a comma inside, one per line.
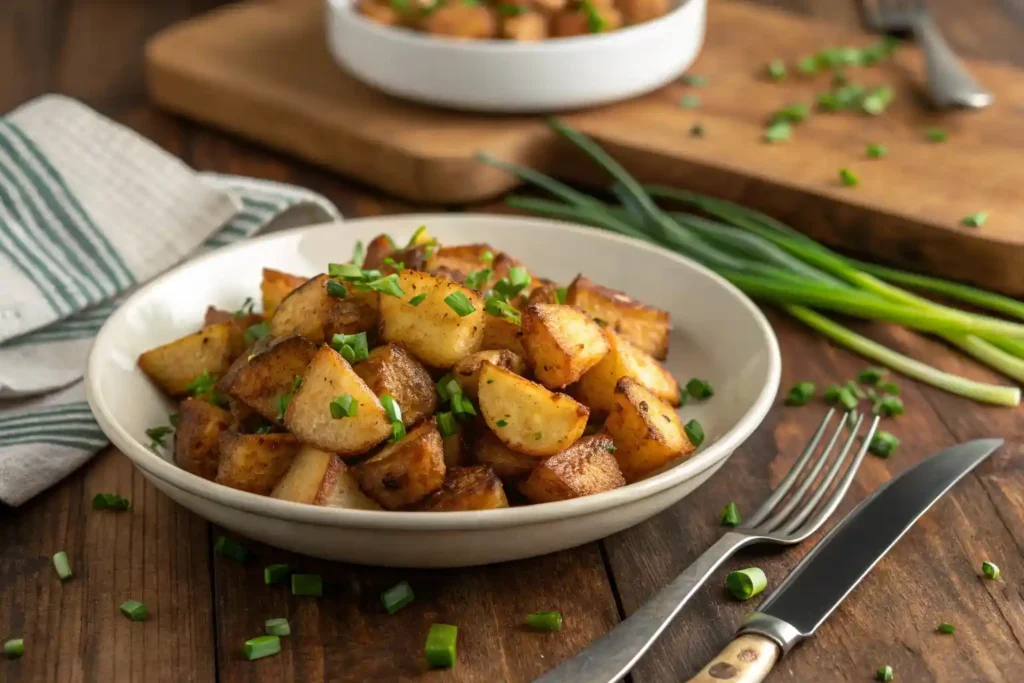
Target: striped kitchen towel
(89,210)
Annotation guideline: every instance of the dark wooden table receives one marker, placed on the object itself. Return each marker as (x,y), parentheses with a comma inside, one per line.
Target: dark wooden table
(202,607)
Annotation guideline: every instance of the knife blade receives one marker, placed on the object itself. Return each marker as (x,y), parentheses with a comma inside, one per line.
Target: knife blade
(823,579)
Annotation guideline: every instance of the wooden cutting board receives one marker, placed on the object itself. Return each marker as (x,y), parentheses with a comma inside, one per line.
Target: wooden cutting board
(261,70)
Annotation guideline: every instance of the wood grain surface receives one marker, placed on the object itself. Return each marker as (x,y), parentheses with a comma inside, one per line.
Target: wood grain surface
(203,607)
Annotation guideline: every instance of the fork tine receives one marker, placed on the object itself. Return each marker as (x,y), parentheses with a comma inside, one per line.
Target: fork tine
(791,476)
(843,486)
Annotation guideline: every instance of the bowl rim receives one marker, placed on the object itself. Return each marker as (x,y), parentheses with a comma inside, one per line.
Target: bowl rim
(253,503)
(345,8)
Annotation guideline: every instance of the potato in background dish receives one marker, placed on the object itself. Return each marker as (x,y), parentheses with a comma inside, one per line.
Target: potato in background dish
(460,20)
(639,11)
(590,19)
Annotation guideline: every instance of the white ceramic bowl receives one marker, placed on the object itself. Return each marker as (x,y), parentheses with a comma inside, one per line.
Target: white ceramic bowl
(513,77)
(718,335)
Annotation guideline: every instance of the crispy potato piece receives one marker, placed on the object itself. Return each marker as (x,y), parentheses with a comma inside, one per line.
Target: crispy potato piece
(467,371)
(545,294)
(561,343)
(432,331)
(358,312)
(576,22)
(306,477)
(646,430)
(390,369)
(645,327)
(638,11)
(261,379)
(342,490)
(197,437)
(533,420)
(597,386)
(524,27)
(454,448)
(379,12)
(462,21)
(407,471)
(489,450)
(275,286)
(254,462)
(583,469)
(327,377)
(467,488)
(379,248)
(308,310)
(244,419)
(173,366)
(457,262)
(216,315)
(239,324)
(502,334)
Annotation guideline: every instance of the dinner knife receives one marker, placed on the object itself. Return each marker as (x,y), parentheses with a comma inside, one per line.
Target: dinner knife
(838,563)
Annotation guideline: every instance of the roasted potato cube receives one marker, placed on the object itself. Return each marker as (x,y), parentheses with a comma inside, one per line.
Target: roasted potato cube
(407,471)
(379,248)
(308,310)
(308,416)
(459,261)
(341,490)
(467,488)
(216,315)
(239,324)
(454,448)
(197,437)
(174,366)
(639,11)
(489,450)
(275,287)
(524,27)
(561,343)
(358,312)
(645,327)
(262,379)
(467,371)
(379,12)
(307,477)
(577,22)
(544,294)
(646,430)
(244,419)
(527,417)
(585,468)
(254,462)
(458,20)
(502,334)
(596,388)
(390,369)
(432,331)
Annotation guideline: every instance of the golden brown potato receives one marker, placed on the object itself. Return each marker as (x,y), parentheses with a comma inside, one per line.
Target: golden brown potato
(527,417)
(275,287)
(502,334)
(596,388)
(380,13)
(525,26)
(390,369)
(489,450)
(577,22)
(239,324)
(467,371)
(432,331)
(457,20)
(646,430)
(549,7)
(544,294)
(585,468)
(467,488)
(261,380)
(342,491)
(216,315)
(308,416)
(458,261)
(174,366)
(454,448)
(358,312)
(379,248)
(197,437)
(244,419)
(638,11)
(305,479)
(645,327)
(308,310)
(254,462)
(561,343)
(404,472)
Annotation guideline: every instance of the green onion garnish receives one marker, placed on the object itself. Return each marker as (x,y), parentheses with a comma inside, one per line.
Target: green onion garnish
(246,308)
(359,347)
(501,309)
(476,279)
(807,65)
(336,289)
(694,432)
(110,501)
(157,435)
(276,573)
(889,388)
(801,394)
(391,407)
(488,256)
(447,387)
(14,648)
(61,564)
(344,406)
(990,570)
(611,449)
(516,281)
(936,135)
(416,236)
(502,423)
(397,597)
(848,177)
(174,418)
(689,101)
(877,100)
(440,648)
(945,627)
(462,406)
(855,389)
(884,673)
(562,293)
(277,627)
(828,101)
(876,151)
(385,285)
(231,549)
(286,398)
(460,303)
(777,69)
(695,80)
(699,388)
(831,394)
(883,444)
(794,113)
(358,254)
(545,621)
(397,431)
(417,300)
(254,333)
(746,583)
(696,131)
(778,132)
(310,585)
(345,271)
(134,610)
(975,220)
(203,384)
(871,375)
(397,265)
(890,406)
(261,646)
(847,398)
(730,515)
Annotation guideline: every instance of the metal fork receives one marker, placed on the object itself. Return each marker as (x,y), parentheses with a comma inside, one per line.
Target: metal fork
(948,81)
(610,657)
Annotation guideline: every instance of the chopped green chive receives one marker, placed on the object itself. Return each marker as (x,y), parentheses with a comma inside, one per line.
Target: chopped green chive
(883,444)
(397,265)
(336,289)
(134,610)
(746,583)
(502,423)
(246,308)
(777,69)
(694,432)
(14,648)
(945,627)
(277,627)
(446,424)
(358,254)
(385,285)
(231,549)
(501,309)
(344,406)
(276,573)
(832,393)
(730,515)
(975,220)
(516,281)
(397,597)
(61,564)
(699,388)
(345,271)
(357,345)
(877,101)
(695,80)
(397,431)
(794,113)
(871,375)
(174,419)
(689,101)
(856,390)
(847,398)
(884,673)
(416,236)
(827,101)
(936,135)
(876,151)
(307,584)
(488,256)
(696,131)
(201,385)
(561,294)
(595,22)
(254,333)
(990,570)
(110,501)
(889,387)
(460,303)
(391,407)
(807,65)
(848,178)
(778,132)
(447,387)
(537,436)
(261,646)
(462,406)
(157,436)
(440,647)
(801,394)
(611,449)
(417,300)
(890,406)
(545,621)
(476,279)
(286,398)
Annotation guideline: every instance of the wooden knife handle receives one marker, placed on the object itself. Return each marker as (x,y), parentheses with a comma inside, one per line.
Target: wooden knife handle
(748,659)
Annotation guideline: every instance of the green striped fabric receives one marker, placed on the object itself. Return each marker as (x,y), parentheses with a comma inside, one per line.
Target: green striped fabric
(70,425)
